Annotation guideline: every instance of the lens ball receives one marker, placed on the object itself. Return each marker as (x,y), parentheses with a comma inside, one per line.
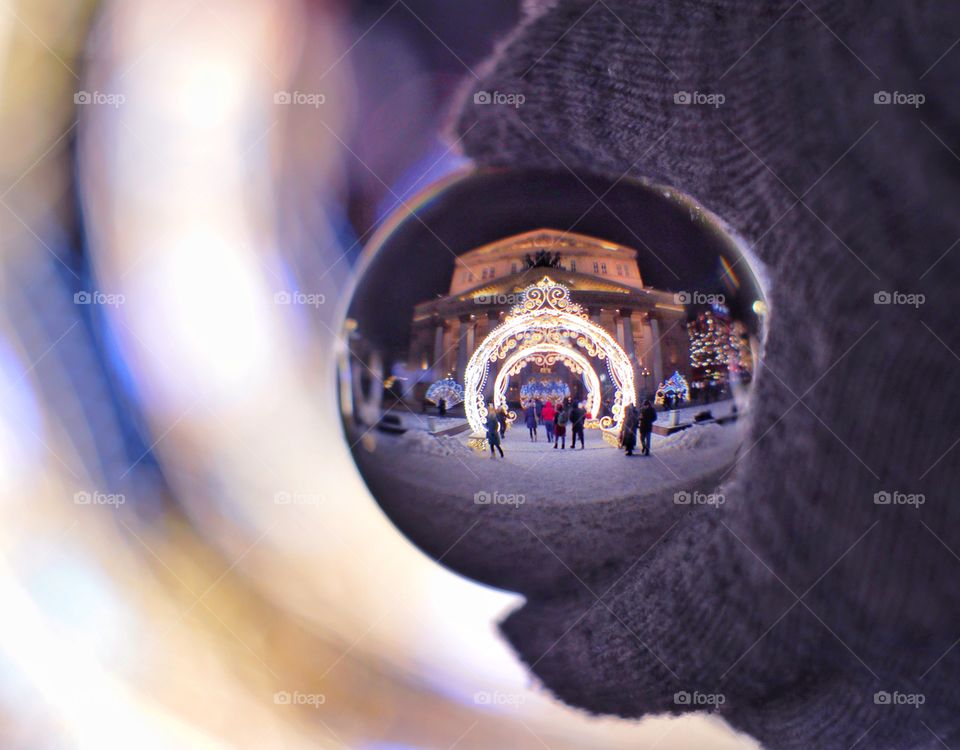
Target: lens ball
(541,366)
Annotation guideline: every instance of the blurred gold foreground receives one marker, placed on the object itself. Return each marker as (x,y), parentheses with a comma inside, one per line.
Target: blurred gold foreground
(232,584)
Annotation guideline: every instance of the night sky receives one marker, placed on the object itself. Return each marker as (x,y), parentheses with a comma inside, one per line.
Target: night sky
(415,262)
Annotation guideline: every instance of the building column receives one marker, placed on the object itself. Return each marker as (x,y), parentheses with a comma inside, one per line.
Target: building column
(626,329)
(471,336)
(463,347)
(438,351)
(486,324)
(628,345)
(656,355)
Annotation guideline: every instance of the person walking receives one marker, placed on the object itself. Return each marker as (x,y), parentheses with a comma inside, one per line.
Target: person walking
(628,431)
(502,420)
(530,417)
(578,415)
(560,427)
(493,431)
(547,416)
(648,415)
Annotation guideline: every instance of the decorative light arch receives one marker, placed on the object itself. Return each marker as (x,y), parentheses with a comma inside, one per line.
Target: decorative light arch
(546,317)
(548,354)
(676,384)
(447,390)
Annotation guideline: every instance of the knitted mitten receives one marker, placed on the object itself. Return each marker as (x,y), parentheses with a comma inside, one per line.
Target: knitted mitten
(803,611)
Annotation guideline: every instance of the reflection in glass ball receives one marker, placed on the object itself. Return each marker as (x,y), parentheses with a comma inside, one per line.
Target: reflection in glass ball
(541,369)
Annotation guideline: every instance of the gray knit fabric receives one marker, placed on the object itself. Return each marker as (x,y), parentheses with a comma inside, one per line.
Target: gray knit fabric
(841,197)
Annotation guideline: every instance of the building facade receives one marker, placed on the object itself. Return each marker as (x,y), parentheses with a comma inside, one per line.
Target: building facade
(650,325)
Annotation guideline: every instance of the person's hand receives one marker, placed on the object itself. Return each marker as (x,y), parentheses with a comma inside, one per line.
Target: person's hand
(804,610)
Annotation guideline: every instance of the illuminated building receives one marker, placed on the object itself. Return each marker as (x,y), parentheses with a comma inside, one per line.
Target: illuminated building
(603,278)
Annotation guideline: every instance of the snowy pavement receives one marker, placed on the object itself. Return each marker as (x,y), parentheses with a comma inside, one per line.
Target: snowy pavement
(526,521)
(596,473)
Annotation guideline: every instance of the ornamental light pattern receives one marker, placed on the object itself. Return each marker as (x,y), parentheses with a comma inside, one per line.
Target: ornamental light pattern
(448,390)
(547,321)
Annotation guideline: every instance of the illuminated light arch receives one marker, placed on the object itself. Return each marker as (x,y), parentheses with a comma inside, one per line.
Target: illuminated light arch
(548,354)
(547,317)
(447,390)
(676,384)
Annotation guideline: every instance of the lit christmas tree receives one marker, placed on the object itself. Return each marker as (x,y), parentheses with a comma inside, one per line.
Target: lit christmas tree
(740,363)
(710,345)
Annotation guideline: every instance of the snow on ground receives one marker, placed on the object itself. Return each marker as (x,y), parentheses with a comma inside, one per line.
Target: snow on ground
(694,438)
(525,521)
(419,441)
(557,476)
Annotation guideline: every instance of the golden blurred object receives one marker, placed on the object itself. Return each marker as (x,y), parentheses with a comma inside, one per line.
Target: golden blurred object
(189,558)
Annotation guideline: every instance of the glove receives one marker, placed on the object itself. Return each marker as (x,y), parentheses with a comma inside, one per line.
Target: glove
(810,610)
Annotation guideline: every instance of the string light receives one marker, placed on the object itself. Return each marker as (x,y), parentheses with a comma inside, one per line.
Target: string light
(546,320)
(447,390)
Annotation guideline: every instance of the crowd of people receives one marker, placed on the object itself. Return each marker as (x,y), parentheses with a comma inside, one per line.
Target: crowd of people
(556,419)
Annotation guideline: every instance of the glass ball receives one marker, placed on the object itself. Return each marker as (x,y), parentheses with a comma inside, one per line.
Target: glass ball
(542,370)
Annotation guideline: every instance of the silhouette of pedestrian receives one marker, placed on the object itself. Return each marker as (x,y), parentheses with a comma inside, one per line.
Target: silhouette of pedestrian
(548,415)
(578,416)
(493,431)
(628,431)
(560,426)
(648,415)
(530,417)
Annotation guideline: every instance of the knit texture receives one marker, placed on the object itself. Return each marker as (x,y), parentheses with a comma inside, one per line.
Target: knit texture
(801,598)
